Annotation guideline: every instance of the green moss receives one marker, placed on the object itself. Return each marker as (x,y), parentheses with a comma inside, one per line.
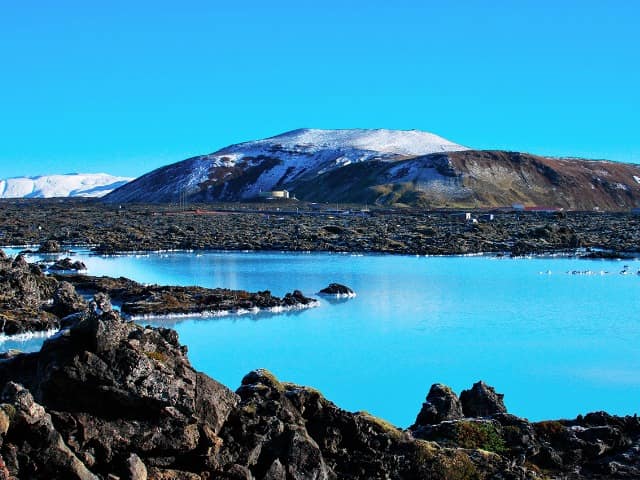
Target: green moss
(311,390)
(9,409)
(454,465)
(270,378)
(549,429)
(479,435)
(425,451)
(250,409)
(383,425)
(157,356)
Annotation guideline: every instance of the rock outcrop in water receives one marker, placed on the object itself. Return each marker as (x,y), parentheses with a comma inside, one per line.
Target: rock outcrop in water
(50,246)
(67,265)
(31,301)
(138,300)
(337,290)
(108,399)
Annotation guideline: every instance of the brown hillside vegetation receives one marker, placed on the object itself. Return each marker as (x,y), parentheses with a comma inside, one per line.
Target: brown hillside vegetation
(498,178)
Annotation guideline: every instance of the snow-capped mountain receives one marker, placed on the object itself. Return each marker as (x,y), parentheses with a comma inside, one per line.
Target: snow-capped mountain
(242,171)
(68,185)
(387,167)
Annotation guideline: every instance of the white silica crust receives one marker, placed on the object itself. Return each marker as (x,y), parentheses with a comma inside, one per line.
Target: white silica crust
(338,295)
(221,313)
(22,337)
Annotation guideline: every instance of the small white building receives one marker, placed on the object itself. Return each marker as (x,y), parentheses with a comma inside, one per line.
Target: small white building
(273,194)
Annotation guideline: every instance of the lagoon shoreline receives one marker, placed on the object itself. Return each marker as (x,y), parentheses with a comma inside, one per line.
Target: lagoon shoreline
(303,227)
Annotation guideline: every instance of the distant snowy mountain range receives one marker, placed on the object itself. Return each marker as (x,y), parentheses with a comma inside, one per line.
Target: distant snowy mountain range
(387,167)
(69,185)
(396,168)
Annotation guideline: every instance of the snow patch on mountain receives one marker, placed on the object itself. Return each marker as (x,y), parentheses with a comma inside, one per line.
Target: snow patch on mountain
(69,185)
(313,151)
(243,170)
(351,145)
(399,142)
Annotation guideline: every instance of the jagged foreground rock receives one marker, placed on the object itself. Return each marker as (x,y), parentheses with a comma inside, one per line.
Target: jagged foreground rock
(31,301)
(108,399)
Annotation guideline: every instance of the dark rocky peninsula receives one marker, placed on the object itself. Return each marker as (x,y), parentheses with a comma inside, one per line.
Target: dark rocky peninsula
(109,399)
(138,300)
(299,226)
(31,301)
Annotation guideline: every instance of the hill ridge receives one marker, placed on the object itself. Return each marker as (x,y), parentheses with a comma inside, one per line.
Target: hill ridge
(387,167)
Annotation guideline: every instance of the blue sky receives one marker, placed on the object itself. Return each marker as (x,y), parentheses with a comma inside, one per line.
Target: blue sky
(126,87)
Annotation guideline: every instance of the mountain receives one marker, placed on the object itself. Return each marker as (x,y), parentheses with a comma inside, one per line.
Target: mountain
(388,167)
(69,185)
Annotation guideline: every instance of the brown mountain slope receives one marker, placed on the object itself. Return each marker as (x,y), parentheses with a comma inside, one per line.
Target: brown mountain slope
(480,179)
(496,178)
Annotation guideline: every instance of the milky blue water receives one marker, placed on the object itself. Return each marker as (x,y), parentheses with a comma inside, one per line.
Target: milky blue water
(556,344)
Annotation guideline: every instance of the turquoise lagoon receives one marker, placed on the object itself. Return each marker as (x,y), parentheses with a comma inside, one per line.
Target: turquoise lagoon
(556,344)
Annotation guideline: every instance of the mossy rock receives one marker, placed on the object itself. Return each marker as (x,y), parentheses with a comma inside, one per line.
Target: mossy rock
(383,426)
(454,465)
(482,435)
(5,419)
(9,410)
(157,356)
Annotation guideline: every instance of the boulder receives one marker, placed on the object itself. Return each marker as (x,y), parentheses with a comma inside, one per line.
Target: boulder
(66,264)
(106,396)
(338,290)
(482,401)
(44,453)
(26,292)
(50,246)
(66,300)
(441,404)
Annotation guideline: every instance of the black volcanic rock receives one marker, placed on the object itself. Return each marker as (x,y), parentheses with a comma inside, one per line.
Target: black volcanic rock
(261,227)
(25,293)
(108,399)
(158,300)
(338,290)
(50,246)
(441,404)
(102,391)
(39,450)
(66,301)
(66,264)
(482,401)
